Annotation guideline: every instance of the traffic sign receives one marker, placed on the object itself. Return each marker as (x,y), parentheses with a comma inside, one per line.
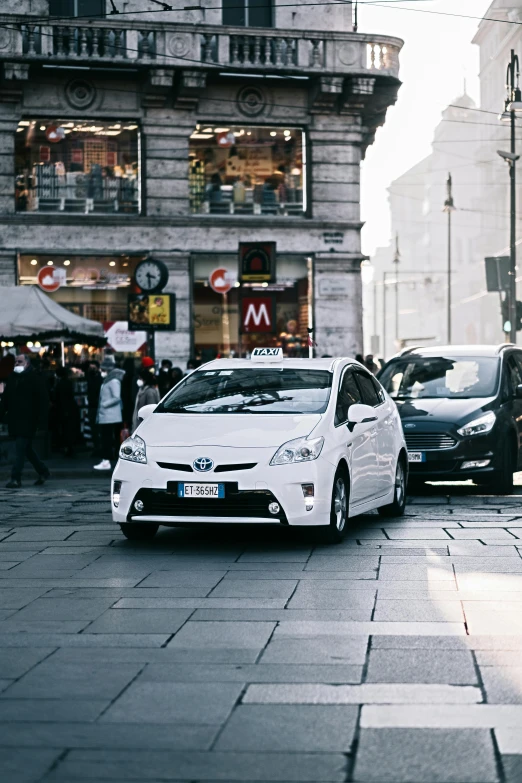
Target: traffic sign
(51,278)
(221,280)
(498,273)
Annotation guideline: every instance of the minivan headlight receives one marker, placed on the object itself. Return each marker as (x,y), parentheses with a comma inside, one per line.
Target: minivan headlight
(298,450)
(479,426)
(133,449)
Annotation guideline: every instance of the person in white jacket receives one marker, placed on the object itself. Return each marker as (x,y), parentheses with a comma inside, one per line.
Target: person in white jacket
(109,417)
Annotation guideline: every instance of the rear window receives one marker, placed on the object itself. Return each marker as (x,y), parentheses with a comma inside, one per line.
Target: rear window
(270,390)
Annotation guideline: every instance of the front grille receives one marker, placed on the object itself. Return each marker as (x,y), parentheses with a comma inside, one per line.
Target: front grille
(236,503)
(219,469)
(242,466)
(433,441)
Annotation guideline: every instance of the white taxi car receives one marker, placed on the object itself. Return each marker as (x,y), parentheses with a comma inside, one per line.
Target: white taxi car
(304,442)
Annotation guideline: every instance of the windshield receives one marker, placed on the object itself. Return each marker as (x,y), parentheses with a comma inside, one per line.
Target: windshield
(446,377)
(251,391)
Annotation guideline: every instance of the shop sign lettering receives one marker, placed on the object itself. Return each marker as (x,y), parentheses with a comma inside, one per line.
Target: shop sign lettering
(257,315)
(333,286)
(333,237)
(122,339)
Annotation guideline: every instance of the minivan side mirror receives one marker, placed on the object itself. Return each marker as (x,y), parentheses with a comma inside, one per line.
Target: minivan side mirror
(145,412)
(360,414)
(518,392)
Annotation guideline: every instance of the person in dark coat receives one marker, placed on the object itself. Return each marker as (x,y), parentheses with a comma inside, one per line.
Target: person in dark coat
(68,411)
(25,404)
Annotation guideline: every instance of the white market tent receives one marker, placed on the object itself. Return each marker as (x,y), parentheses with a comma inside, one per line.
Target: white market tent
(26,313)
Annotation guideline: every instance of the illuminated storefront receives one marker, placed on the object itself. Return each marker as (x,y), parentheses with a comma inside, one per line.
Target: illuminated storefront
(247,170)
(77,166)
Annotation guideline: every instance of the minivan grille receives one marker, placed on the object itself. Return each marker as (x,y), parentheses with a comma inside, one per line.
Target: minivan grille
(433,441)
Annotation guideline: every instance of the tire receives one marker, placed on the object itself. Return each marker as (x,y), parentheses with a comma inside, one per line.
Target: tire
(501,481)
(396,508)
(336,530)
(139,531)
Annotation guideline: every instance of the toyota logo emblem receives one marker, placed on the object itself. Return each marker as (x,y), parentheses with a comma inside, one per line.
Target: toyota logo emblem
(203,464)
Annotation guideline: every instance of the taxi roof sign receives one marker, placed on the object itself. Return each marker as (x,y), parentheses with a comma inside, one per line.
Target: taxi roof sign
(267,355)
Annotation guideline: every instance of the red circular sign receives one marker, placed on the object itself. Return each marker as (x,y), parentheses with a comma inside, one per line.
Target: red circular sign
(221,280)
(55,133)
(47,280)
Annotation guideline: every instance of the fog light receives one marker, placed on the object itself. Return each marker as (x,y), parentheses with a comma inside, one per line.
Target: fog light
(116,489)
(310,507)
(138,505)
(308,490)
(477,463)
(274,508)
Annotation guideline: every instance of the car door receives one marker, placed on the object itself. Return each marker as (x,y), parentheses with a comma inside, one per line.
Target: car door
(357,444)
(372,394)
(513,366)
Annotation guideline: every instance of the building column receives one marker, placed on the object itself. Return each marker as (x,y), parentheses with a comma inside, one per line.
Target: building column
(176,345)
(166,178)
(8,260)
(337,297)
(8,129)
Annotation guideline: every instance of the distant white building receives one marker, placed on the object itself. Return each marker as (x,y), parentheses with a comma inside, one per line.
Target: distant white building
(464,144)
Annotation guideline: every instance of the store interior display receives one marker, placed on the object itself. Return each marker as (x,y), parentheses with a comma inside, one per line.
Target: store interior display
(77,166)
(256,171)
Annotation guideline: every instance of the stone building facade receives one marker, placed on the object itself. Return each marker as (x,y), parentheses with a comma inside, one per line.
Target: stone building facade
(179,134)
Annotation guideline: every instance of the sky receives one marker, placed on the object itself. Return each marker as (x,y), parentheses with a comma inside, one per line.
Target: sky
(436,59)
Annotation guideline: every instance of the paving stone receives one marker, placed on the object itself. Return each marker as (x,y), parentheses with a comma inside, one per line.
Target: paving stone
(442,716)
(332,563)
(152,766)
(413,610)
(207,579)
(509,740)
(89,735)
(51,710)
(493,622)
(312,628)
(289,729)
(410,756)
(498,658)
(416,533)
(140,621)
(503,684)
(447,642)
(16,661)
(200,603)
(483,534)
(266,589)
(406,572)
(367,693)
(323,650)
(262,672)
(18,766)
(223,635)
(49,680)
(208,703)
(82,640)
(422,666)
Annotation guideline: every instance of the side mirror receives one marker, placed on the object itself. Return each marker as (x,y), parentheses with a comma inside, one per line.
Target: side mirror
(360,414)
(518,393)
(145,412)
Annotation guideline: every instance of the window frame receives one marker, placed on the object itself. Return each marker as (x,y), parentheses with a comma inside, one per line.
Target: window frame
(246,10)
(358,372)
(348,369)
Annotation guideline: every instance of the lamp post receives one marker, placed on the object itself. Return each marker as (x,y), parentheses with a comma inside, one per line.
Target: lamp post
(449,207)
(396,261)
(513,105)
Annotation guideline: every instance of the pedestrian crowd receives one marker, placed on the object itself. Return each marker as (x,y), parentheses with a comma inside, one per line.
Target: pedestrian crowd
(35,397)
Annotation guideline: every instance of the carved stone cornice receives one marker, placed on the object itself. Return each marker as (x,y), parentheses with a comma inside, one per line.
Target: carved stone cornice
(190,85)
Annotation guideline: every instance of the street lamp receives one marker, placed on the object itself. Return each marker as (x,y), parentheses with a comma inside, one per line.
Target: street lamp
(512,106)
(449,207)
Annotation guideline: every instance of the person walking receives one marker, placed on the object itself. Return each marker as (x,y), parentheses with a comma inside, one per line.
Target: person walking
(67,410)
(109,418)
(164,377)
(25,404)
(148,394)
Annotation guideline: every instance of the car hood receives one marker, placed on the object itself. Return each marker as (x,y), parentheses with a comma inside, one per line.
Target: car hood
(441,410)
(233,430)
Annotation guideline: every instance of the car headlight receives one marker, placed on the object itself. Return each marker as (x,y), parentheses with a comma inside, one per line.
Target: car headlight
(298,450)
(133,449)
(478,426)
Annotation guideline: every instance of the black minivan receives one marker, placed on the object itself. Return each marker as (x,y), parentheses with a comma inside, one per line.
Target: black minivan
(461,411)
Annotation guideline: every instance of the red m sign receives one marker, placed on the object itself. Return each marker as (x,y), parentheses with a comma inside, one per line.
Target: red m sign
(258,314)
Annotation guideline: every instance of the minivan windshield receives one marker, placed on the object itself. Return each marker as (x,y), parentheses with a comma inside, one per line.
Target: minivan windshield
(270,390)
(417,377)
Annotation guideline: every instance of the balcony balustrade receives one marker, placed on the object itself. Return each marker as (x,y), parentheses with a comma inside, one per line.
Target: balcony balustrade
(177,45)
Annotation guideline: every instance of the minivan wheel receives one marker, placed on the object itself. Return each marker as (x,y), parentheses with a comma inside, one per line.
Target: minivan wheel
(336,530)
(396,508)
(139,531)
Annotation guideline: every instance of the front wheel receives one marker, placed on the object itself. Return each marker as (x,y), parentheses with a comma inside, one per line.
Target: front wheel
(501,481)
(139,531)
(397,506)
(336,530)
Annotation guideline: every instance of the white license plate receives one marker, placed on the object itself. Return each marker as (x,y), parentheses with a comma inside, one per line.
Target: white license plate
(416,456)
(209,491)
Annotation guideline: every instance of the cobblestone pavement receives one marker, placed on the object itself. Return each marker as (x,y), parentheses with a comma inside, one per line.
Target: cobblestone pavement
(254,655)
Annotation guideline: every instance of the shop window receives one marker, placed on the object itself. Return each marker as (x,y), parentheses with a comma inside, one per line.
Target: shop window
(95,287)
(77,166)
(248,13)
(77,8)
(247,170)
